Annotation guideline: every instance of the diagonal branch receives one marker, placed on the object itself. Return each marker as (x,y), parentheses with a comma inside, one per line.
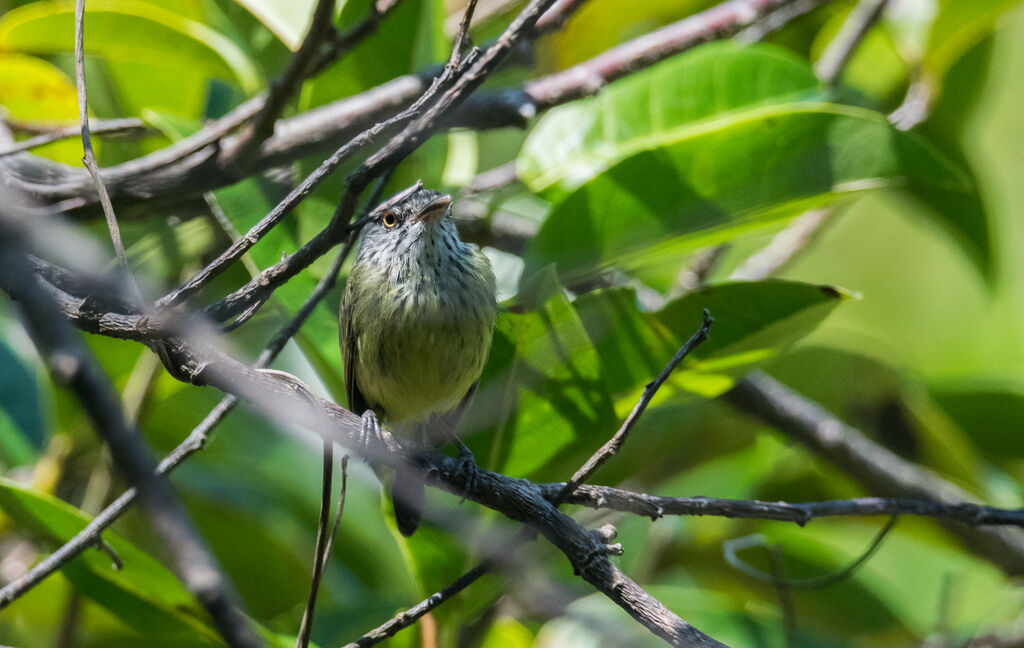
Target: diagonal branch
(193,165)
(72,364)
(281,90)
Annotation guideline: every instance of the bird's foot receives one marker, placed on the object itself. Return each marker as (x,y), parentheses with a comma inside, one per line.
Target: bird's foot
(372,438)
(465,468)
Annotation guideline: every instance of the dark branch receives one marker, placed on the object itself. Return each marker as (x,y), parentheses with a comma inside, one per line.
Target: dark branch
(194,165)
(613,445)
(71,363)
(281,90)
(109,127)
(875,467)
(654,506)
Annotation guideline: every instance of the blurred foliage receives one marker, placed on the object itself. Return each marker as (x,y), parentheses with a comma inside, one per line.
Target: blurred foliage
(723,145)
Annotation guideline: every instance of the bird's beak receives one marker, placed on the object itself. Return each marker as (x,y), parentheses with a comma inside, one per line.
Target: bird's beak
(435,209)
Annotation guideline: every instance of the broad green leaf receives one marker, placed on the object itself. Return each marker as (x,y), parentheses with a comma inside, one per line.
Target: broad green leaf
(753,322)
(542,388)
(22,421)
(990,411)
(957,28)
(37,92)
(128,30)
(144,594)
(719,179)
(287,19)
(573,143)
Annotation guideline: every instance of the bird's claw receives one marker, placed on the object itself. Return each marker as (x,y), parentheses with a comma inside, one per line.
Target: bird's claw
(371,437)
(465,468)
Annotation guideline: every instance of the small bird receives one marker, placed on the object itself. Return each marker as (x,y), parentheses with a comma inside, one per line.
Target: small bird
(416,322)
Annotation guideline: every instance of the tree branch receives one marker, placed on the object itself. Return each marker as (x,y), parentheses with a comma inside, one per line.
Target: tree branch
(193,165)
(72,364)
(875,467)
(281,90)
(109,127)
(654,507)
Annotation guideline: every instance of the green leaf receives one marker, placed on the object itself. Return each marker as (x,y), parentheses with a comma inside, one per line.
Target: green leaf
(35,91)
(543,385)
(573,143)
(287,19)
(958,27)
(144,594)
(128,30)
(714,181)
(990,411)
(22,422)
(754,321)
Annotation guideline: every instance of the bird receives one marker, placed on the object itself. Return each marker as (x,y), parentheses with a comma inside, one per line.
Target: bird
(415,327)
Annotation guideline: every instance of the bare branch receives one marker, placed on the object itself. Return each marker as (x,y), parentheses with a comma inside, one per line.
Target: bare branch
(109,127)
(875,467)
(72,364)
(654,506)
(89,159)
(720,21)
(193,165)
(862,18)
(613,445)
(281,90)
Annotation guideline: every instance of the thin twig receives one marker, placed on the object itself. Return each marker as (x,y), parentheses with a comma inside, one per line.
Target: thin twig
(338,513)
(319,553)
(862,18)
(281,90)
(614,444)
(731,548)
(875,467)
(89,159)
(408,617)
(656,506)
(111,127)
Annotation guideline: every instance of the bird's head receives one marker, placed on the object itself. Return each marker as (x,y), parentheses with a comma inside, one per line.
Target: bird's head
(412,235)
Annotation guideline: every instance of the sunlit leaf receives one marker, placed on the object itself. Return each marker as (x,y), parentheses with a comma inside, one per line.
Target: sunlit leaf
(144,594)
(34,91)
(128,30)
(959,26)
(573,143)
(753,322)
(288,19)
(718,180)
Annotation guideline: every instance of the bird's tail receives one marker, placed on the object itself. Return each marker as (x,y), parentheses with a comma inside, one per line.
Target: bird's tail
(407,493)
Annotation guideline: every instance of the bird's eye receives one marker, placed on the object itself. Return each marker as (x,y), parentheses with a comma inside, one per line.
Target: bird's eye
(389,220)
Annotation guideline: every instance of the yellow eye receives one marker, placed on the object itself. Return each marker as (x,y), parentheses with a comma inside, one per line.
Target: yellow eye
(389,220)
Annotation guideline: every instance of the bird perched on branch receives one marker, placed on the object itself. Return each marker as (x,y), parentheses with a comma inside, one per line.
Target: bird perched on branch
(416,322)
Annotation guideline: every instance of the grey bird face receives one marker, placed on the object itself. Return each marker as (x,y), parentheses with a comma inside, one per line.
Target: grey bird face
(412,236)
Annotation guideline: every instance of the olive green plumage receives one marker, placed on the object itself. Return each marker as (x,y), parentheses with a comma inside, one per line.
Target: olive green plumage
(417,318)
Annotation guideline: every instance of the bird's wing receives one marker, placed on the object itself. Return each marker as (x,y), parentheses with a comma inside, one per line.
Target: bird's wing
(349,355)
